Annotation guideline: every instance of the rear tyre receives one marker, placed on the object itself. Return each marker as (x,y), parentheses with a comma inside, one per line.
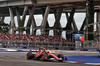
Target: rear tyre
(30,55)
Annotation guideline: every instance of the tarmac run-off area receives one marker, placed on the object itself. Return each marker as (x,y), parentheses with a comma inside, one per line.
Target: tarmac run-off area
(15,57)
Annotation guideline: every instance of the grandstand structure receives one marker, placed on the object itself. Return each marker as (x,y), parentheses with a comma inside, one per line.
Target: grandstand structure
(20,40)
(45,7)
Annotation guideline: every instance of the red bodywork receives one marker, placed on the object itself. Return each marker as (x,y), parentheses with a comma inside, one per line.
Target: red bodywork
(40,53)
(54,56)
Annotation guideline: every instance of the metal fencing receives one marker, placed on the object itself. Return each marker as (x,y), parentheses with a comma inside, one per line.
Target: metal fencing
(88,46)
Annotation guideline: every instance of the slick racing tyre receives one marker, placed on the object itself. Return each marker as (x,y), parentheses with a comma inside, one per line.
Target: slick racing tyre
(65,58)
(44,57)
(60,56)
(30,55)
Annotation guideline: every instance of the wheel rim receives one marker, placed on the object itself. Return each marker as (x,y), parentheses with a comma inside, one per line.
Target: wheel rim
(43,57)
(28,56)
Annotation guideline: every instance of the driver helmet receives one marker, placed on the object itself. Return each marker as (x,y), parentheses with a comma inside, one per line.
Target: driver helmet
(42,48)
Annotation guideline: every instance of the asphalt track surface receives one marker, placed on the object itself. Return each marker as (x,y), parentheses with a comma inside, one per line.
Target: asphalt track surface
(19,59)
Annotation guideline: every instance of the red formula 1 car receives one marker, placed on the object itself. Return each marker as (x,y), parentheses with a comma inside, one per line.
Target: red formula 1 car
(42,54)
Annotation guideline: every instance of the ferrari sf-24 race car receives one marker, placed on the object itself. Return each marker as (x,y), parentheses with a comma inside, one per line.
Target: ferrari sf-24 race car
(43,55)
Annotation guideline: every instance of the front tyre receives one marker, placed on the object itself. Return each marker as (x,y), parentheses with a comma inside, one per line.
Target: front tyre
(60,56)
